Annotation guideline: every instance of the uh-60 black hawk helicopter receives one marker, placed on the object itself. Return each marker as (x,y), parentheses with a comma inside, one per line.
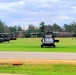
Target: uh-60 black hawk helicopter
(7,37)
(48,40)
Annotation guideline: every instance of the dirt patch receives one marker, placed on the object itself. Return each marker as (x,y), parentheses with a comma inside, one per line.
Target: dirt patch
(36,61)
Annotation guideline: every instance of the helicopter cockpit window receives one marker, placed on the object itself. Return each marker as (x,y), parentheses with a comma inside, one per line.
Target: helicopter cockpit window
(48,40)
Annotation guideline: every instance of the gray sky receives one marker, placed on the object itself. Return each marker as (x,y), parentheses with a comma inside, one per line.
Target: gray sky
(24,12)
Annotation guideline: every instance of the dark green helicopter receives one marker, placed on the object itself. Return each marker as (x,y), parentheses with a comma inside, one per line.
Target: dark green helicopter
(48,40)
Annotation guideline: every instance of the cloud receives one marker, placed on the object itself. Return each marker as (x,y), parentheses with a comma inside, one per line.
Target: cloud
(9,9)
(41,1)
(24,12)
(74,7)
(44,5)
(62,18)
(12,5)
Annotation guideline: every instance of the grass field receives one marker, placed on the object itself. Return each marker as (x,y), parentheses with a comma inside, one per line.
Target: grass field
(33,45)
(39,67)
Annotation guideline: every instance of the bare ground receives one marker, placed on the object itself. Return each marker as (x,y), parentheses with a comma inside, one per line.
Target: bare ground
(36,61)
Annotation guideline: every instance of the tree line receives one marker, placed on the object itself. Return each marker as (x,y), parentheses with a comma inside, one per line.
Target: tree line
(9,29)
(40,30)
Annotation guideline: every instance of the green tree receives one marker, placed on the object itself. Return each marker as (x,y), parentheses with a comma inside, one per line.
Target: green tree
(6,29)
(56,27)
(42,27)
(48,28)
(19,28)
(70,27)
(31,29)
(13,29)
(1,27)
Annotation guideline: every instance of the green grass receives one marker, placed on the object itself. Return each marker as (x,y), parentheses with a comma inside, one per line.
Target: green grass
(40,69)
(33,45)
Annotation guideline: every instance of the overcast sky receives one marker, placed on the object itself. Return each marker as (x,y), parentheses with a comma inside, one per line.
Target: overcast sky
(24,12)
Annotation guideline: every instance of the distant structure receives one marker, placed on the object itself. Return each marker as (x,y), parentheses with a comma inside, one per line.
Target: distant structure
(63,34)
(34,35)
(20,34)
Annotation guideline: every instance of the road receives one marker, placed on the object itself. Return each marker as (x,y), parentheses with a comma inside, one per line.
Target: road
(39,55)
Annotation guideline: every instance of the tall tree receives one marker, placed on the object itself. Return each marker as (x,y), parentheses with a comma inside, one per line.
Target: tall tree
(6,29)
(1,27)
(31,29)
(13,29)
(49,28)
(19,28)
(42,27)
(70,27)
(56,27)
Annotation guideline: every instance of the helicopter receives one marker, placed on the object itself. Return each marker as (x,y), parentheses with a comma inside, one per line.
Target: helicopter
(48,40)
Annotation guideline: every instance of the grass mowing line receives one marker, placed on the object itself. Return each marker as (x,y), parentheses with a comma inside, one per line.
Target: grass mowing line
(33,45)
